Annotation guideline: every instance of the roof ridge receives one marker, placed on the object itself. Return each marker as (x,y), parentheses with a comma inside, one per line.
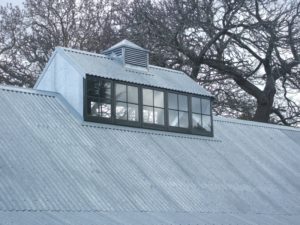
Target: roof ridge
(27,91)
(85,53)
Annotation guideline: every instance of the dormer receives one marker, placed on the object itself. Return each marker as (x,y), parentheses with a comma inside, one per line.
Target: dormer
(119,87)
(129,53)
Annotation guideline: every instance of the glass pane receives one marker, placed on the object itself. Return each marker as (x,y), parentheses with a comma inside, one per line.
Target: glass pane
(206,123)
(148,97)
(93,108)
(103,89)
(172,101)
(121,111)
(173,118)
(92,87)
(121,92)
(196,108)
(205,106)
(148,114)
(183,102)
(132,94)
(183,119)
(105,110)
(159,116)
(133,112)
(107,87)
(159,99)
(98,88)
(196,118)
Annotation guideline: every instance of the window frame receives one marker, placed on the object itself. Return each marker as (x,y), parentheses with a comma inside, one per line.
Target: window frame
(120,121)
(85,101)
(140,123)
(194,130)
(153,125)
(179,129)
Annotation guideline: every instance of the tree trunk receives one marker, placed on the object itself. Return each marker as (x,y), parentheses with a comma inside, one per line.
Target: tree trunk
(195,71)
(265,105)
(263,111)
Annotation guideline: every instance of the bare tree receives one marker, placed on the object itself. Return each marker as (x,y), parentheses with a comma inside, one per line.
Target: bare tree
(13,70)
(31,35)
(245,52)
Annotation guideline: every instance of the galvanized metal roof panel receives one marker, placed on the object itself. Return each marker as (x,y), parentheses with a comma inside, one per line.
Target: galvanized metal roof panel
(50,161)
(142,218)
(295,136)
(104,66)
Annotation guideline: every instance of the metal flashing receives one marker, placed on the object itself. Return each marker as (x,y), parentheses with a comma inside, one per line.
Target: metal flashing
(27,91)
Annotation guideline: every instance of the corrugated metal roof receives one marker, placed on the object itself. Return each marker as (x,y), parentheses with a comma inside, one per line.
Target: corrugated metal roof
(56,168)
(104,66)
(142,218)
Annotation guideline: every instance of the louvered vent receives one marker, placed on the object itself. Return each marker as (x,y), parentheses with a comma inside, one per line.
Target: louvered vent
(117,52)
(136,57)
(128,53)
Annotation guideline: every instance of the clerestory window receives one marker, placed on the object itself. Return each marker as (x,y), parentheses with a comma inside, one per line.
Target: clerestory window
(122,103)
(153,106)
(178,110)
(201,114)
(127,107)
(99,98)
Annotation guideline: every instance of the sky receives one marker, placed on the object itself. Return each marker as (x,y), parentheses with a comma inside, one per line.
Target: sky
(14,2)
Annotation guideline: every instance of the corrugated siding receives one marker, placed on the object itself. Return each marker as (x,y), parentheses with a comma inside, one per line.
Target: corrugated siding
(100,65)
(50,161)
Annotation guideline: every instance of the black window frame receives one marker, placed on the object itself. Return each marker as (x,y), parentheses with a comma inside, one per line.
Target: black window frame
(98,118)
(195,130)
(178,128)
(152,125)
(140,123)
(121,121)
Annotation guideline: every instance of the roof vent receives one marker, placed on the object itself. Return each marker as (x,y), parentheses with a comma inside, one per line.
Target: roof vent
(129,53)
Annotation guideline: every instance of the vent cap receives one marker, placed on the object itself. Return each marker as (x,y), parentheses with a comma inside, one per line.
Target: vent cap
(129,53)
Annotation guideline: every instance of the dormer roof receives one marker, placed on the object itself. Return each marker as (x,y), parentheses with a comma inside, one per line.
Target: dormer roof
(125,43)
(107,67)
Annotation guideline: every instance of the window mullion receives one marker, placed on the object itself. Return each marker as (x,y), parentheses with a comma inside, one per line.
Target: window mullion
(166,110)
(190,125)
(127,108)
(201,112)
(152,106)
(113,101)
(140,105)
(99,107)
(178,120)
